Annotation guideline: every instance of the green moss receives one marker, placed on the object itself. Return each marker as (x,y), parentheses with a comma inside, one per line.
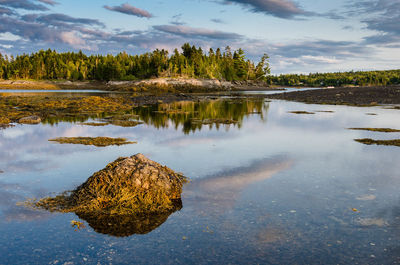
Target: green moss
(368,141)
(96,141)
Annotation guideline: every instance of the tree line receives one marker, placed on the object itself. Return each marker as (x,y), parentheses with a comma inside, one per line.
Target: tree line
(359,78)
(191,62)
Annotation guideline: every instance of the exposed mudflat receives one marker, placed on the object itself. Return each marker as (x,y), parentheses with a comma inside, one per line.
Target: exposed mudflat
(345,96)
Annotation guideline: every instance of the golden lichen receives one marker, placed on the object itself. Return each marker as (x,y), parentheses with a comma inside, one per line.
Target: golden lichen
(96,141)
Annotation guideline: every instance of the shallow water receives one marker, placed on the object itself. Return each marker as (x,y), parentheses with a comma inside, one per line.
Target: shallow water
(274,188)
(277,91)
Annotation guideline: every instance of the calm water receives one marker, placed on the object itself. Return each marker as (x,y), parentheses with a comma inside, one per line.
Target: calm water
(276,188)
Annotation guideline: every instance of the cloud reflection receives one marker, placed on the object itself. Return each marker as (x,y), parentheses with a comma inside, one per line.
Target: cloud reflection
(219,193)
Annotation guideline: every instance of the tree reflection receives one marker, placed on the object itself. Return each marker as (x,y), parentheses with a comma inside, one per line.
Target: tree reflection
(193,115)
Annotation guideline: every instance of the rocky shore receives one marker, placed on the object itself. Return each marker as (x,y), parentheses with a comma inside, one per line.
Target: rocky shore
(358,96)
(162,84)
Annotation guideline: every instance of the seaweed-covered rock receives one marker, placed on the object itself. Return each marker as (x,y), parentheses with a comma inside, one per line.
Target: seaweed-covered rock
(129,185)
(30,120)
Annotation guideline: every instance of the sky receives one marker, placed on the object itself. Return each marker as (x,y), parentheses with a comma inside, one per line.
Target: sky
(300,36)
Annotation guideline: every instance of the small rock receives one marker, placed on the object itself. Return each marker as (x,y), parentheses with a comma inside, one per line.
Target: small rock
(30,120)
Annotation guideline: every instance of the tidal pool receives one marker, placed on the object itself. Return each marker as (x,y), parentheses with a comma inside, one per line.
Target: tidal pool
(268,187)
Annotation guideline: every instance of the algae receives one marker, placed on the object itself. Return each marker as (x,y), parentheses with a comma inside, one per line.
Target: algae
(367,141)
(96,141)
(386,130)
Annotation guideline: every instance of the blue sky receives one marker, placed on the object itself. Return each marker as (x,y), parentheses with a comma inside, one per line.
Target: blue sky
(300,36)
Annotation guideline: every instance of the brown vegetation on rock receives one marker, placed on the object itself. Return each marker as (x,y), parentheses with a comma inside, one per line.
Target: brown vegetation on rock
(128,185)
(132,195)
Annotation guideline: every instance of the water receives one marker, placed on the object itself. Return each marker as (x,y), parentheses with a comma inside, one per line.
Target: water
(275,188)
(286,89)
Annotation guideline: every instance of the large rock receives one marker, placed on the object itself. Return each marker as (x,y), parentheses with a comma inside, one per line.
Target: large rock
(134,183)
(128,186)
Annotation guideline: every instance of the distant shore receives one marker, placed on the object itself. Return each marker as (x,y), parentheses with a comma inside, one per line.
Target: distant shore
(156,84)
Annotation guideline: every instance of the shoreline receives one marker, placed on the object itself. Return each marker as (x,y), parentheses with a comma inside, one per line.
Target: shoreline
(354,96)
(155,84)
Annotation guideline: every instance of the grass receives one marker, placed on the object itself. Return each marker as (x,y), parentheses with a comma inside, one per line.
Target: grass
(385,130)
(368,141)
(96,141)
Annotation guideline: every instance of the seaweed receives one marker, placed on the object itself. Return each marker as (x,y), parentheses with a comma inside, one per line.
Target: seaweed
(386,130)
(96,124)
(96,141)
(301,112)
(368,141)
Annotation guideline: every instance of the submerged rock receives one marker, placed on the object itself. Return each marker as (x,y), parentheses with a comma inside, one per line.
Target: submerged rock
(30,120)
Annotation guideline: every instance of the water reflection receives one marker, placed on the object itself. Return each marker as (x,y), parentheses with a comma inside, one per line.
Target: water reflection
(127,225)
(268,211)
(192,116)
(218,193)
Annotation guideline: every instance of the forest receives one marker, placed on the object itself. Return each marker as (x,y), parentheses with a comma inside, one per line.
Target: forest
(352,78)
(192,62)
